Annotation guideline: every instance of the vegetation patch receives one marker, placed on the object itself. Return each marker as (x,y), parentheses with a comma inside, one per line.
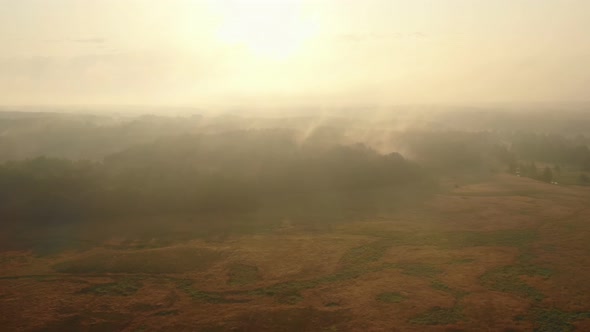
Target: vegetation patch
(293,298)
(365,254)
(441,286)
(123,287)
(507,279)
(93,322)
(332,304)
(439,316)
(519,318)
(289,320)
(167,313)
(419,269)
(241,274)
(461,261)
(390,297)
(348,272)
(502,238)
(452,240)
(206,297)
(289,288)
(143,307)
(549,320)
(354,264)
(155,261)
(90,321)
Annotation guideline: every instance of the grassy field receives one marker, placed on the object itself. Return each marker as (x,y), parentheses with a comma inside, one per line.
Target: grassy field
(507,254)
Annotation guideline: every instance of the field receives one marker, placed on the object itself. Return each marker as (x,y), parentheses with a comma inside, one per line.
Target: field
(507,254)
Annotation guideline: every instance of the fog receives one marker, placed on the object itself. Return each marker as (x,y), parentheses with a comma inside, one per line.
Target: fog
(250,53)
(251,165)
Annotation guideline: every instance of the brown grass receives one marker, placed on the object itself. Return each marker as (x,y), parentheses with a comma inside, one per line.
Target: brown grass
(151,261)
(477,257)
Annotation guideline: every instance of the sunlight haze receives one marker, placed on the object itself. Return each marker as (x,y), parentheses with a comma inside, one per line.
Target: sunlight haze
(324,52)
(294,165)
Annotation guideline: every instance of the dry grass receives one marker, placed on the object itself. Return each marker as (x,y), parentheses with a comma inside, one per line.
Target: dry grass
(510,254)
(151,261)
(241,274)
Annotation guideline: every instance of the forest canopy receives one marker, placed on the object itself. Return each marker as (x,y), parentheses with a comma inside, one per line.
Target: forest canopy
(299,168)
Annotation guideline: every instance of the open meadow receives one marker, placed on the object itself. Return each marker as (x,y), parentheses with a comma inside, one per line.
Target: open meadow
(505,254)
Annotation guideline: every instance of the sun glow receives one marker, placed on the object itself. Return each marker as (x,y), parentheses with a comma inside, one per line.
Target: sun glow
(275,30)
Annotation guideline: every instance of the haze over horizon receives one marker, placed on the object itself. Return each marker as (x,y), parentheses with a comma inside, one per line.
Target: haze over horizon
(258,53)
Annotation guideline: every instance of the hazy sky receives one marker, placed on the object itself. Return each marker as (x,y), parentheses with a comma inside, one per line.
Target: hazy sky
(217,52)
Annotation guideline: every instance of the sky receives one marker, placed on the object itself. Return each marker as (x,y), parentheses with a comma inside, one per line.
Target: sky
(289,52)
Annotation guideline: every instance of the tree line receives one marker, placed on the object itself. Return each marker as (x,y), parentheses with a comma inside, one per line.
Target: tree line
(230,173)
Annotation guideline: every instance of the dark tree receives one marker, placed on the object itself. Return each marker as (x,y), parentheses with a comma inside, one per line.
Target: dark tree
(533,172)
(547,175)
